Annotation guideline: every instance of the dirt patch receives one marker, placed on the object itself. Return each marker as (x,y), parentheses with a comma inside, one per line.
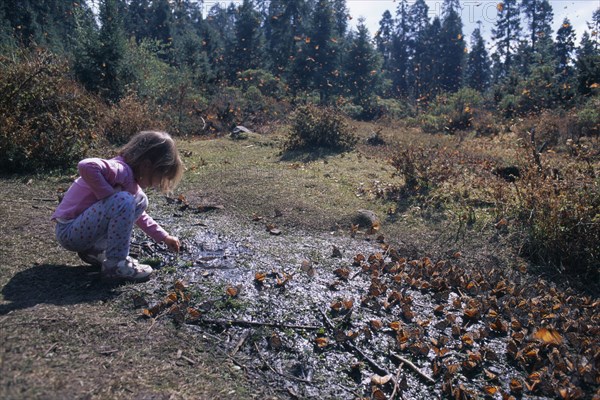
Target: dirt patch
(325,315)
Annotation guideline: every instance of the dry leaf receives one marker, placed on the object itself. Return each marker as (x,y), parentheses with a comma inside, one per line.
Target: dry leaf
(376,324)
(380,380)
(232,291)
(548,336)
(322,342)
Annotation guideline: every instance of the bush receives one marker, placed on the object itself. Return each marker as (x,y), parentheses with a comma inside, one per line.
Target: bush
(317,127)
(588,118)
(127,118)
(484,123)
(46,119)
(267,83)
(558,215)
(224,110)
(450,113)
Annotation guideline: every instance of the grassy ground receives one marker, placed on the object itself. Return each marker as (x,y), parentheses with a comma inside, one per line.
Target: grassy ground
(65,335)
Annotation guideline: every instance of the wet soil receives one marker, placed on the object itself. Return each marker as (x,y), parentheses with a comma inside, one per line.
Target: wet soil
(326,315)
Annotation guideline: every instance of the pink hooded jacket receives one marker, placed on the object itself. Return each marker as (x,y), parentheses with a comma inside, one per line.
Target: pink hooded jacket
(99,179)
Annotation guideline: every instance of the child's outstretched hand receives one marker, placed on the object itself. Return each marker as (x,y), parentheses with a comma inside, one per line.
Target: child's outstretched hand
(172,243)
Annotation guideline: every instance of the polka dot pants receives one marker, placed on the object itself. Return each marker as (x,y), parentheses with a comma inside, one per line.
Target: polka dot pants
(106,225)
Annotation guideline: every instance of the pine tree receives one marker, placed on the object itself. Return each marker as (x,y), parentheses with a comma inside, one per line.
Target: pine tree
(428,68)
(419,40)
(384,37)
(341,15)
(49,23)
(160,22)
(249,42)
(594,27)
(539,16)
(452,44)
(137,19)
(565,49)
(361,67)
(478,70)
(588,64)
(401,50)
(218,37)
(285,27)
(99,61)
(317,63)
(506,34)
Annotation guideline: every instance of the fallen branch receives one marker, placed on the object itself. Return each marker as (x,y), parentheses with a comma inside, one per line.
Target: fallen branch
(396,383)
(295,378)
(376,367)
(412,366)
(240,343)
(239,322)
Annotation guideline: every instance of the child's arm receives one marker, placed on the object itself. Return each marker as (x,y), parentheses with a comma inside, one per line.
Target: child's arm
(156,232)
(100,175)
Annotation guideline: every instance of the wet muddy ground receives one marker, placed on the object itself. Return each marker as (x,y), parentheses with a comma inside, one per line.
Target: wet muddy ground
(333,316)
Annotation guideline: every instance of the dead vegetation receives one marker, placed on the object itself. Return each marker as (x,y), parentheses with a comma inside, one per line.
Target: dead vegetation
(276,284)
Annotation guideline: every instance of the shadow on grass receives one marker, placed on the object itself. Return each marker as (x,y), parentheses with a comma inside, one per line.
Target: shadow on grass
(54,284)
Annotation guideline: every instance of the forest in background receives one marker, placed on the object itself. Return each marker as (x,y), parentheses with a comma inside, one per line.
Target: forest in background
(167,64)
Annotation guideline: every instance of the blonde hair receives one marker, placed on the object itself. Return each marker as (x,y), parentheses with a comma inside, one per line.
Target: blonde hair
(160,150)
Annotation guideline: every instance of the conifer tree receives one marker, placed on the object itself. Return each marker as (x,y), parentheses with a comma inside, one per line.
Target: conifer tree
(249,41)
(401,50)
(452,46)
(137,19)
(506,34)
(285,27)
(427,62)
(361,68)
(341,15)
(588,64)
(99,61)
(419,41)
(317,63)
(218,37)
(478,71)
(539,15)
(565,49)
(160,22)
(383,39)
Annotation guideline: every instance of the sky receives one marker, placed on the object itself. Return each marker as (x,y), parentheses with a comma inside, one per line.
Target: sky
(578,11)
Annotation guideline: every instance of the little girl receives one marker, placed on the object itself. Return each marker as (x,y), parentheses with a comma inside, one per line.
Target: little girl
(97,213)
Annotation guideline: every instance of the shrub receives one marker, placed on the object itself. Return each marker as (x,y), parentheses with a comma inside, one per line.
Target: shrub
(127,118)
(46,119)
(315,127)
(588,118)
(449,113)
(558,215)
(267,83)
(224,110)
(484,123)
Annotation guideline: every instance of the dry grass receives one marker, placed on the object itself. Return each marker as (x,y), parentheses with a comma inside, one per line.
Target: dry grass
(63,335)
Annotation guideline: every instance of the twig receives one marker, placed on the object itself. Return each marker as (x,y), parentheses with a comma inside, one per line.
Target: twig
(240,343)
(412,366)
(396,384)
(50,349)
(239,322)
(277,372)
(376,367)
